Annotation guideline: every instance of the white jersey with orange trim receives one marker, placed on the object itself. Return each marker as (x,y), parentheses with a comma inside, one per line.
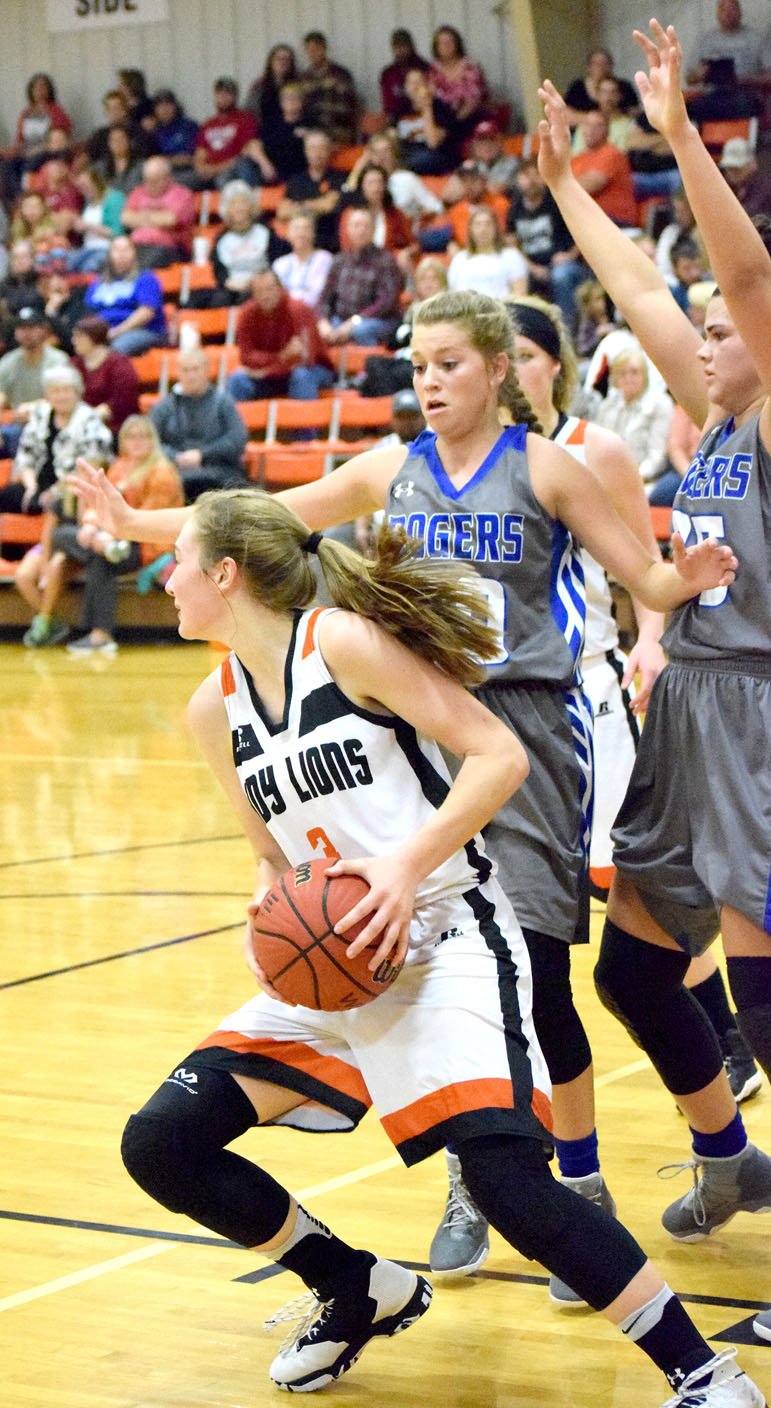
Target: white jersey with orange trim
(600,633)
(332,778)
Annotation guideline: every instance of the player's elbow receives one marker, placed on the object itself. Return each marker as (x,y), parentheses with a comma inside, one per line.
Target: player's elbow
(513,764)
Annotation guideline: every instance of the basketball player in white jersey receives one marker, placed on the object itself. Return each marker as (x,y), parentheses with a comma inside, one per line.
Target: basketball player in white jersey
(336,684)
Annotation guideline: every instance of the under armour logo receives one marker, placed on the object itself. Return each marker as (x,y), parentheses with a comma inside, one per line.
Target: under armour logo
(404,490)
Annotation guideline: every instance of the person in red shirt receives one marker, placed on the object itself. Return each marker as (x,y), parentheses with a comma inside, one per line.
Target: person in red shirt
(281,351)
(228,146)
(604,171)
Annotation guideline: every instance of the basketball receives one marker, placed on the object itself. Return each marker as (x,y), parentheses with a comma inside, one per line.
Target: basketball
(294,943)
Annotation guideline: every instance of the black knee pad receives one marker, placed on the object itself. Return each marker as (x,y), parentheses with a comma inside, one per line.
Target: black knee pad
(642,985)
(750,983)
(560,1030)
(509,1179)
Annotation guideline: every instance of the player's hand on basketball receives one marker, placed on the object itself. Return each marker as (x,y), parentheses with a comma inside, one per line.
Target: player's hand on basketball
(388,907)
(705,565)
(251,961)
(661,87)
(97,494)
(553,133)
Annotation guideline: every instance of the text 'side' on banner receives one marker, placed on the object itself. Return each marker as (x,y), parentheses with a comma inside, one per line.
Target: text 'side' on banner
(68,16)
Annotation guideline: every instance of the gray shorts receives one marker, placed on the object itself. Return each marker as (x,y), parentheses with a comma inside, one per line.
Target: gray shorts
(540,837)
(694,830)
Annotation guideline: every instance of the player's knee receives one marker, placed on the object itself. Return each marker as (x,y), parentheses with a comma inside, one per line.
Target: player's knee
(153,1155)
(750,982)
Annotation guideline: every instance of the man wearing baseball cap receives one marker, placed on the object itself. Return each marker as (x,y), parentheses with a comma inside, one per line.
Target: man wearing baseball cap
(475,192)
(487,150)
(21,370)
(740,168)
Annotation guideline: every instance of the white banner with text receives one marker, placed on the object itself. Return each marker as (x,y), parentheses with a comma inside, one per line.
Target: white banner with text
(72,15)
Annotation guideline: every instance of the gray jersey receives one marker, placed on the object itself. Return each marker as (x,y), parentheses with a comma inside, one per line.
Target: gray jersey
(726,494)
(528,561)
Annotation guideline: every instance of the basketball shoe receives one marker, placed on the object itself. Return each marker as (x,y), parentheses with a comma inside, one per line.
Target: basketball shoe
(744,1077)
(594,1188)
(332,1334)
(461,1242)
(717,1384)
(762,1325)
(741,1183)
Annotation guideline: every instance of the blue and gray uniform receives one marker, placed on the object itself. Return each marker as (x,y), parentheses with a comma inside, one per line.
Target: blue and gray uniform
(694,832)
(533,579)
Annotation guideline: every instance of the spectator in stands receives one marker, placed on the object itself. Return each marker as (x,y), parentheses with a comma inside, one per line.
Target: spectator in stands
(18,289)
(22,370)
(303,272)
(610,104)
(129,299)
(684,223)
(317,189)
(654,169)
(410,194)
(117,114)
(738,164)
(243,248)
(605,172)
(34,222)
(330,99)
(456,79)
(160,215)
(200,429)
(228,147)
(487,150)
(554,267)
(98,222)
(360,302)
(110,382)
(263,100)
(430,277)
(486,265)
(133,85)
(475,194)
(40,113)
(688,268)
(392,229)
(393,99)
(63,304)
(639,413)
(730,39)
(147,480)
(283,133)
(122,166)
(594,317)
(428,131)
(584,93)
(279,346)
(175,135)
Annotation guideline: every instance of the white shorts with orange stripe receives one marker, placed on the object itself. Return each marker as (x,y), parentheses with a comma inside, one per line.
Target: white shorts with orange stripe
(616,735)
(449,1052)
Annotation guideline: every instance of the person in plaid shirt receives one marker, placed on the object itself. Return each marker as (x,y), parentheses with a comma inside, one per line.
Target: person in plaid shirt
(360,300)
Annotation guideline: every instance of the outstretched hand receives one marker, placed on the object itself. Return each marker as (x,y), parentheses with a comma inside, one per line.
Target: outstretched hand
(554,134)
(97,494)
(706,565)
(661,87)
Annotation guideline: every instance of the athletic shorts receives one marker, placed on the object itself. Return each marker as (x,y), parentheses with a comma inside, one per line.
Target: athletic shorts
(448,1053)
(540,837)
(616,735)
(694,831)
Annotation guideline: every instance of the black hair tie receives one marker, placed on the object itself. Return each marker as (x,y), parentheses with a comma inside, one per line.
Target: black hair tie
(312,541)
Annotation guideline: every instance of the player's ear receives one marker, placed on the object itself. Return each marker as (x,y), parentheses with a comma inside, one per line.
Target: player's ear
(225,573)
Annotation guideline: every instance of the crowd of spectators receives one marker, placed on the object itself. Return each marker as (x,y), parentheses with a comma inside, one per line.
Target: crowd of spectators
(315,253)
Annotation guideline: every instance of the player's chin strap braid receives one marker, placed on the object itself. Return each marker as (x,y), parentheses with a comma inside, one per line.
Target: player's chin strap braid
(312,541)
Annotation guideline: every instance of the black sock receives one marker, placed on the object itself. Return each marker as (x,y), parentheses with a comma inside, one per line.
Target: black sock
(712,997)
(322,1260)
(666,1333)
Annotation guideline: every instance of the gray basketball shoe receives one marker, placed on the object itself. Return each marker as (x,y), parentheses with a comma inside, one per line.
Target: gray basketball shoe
(721,1188)
(461,1242)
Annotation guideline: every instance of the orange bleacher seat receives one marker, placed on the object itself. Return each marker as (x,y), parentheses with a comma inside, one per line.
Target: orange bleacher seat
(147,400)
(356,414)
(283,467)
(345,158)
(213,324)
(149,366)
(24,528)
(170,279)
(661,522)
(196,276)
(6,470)
(271,197)
(350,358)
(714,135)
(514,144)
(287,415)
(255,415)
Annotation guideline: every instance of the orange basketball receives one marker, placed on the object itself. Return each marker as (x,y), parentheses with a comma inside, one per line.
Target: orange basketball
(294,942)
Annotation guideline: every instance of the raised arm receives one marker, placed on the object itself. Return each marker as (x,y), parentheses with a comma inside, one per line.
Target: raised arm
(737,256)
(632,280)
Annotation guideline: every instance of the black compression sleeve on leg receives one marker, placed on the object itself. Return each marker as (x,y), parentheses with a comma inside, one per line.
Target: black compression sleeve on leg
(750,981)
(509,1179)
(561,1033)
(642,985)
(174,1149)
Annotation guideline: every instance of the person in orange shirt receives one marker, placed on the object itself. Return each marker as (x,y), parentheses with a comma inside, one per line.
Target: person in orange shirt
(476,193)
(604,171)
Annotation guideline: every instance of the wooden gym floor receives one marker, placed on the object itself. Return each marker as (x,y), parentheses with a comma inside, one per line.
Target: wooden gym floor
(122,889)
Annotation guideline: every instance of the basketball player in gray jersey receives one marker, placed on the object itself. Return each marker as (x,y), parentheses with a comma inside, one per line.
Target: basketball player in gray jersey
(693,838)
